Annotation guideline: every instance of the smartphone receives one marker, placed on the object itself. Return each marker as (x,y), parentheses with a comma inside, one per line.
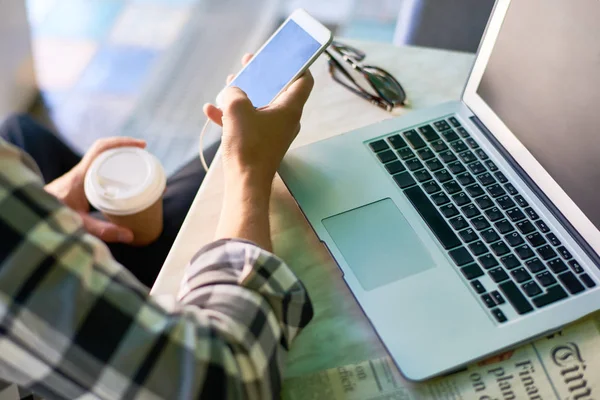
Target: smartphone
(282,59)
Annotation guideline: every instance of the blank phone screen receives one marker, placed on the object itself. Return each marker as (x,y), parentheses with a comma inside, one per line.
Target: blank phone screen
(276,64)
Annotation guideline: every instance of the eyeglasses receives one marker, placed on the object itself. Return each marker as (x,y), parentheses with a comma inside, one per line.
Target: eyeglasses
(390,92)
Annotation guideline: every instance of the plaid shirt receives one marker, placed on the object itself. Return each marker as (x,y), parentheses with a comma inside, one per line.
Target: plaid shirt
(75,324)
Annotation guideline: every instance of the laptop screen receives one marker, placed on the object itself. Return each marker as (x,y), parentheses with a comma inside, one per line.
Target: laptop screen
(543,81)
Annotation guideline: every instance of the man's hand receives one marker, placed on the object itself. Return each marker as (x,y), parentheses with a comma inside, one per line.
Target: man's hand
(69,189)
(255,140)
(253,144)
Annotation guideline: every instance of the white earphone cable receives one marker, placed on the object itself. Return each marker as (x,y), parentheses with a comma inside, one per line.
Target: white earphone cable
(202,159)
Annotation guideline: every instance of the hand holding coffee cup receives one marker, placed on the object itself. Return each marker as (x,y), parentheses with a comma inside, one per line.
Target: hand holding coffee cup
(127,184)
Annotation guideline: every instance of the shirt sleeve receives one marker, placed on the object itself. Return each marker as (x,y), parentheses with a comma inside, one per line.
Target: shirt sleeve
(73,322)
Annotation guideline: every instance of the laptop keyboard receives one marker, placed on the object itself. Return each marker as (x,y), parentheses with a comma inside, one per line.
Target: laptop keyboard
(481,219)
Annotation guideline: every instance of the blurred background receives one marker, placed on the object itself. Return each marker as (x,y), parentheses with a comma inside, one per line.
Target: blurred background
(96,68)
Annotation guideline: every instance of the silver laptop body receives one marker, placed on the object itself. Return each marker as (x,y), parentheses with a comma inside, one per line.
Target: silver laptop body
(517,268)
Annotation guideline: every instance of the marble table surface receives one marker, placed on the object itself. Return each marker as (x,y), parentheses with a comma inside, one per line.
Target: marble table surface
(339,333)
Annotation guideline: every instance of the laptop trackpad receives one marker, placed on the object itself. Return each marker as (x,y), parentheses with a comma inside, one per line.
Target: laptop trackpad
(378,244)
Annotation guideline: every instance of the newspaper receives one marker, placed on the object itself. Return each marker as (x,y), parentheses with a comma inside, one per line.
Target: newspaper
(565,365)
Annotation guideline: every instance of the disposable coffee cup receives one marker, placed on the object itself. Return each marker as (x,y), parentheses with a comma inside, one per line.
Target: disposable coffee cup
(127,186)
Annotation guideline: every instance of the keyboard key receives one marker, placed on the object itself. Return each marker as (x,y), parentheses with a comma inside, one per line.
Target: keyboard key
(459,223)
(490,164)
(397,142)
(486,179)
(505,202)
(447,156)
(431,187)
(478,248)
(404,180)
(413,164)
(509,187)
(454,122)
(531,289)
(489,235)
(451,187)
(467,157)
(484,202)
(461,256)
(589,282)
(575,266)
(462,132)
(515,297)
(477,286)
(564,253)
(425,154)
(488,301)
(465,179)
(472,271)
(524,252)
(472,143)
(514,239)
(496,190)
(456,167)
(521,275)
(510,261)
(432,217)
(553,294)
(500,248)
(504,226)
(488,261)
(499,315)
(434,164)
(557,266)
(406,153)
(498,297)
(545,279)
(394,167)
(525,227)
(386,156)
(515,215)
(481,154)
(461,199)
(440,199)
(531,213)
(449,135)
(422,175)
(474,190)
(429,133)
(546,252)
(442,176)
(535,265)
(449,210)
(542,225)
(480,223)
(439,145)
(470,211)
(379,145)
(498,274)
(441,125)
(535,239)
(468,235)
(553,239)
(571,282)
(459,146)
(414,139)
(501,177)
(494,214)
(521,201)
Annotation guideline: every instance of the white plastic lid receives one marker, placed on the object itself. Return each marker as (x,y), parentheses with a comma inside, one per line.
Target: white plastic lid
(124,181)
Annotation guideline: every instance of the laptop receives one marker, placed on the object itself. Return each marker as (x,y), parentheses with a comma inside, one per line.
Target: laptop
(471,227)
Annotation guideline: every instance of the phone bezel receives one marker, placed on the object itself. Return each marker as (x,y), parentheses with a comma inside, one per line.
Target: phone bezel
(311,26)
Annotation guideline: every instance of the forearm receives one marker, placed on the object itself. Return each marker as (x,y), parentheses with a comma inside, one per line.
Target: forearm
(245,212)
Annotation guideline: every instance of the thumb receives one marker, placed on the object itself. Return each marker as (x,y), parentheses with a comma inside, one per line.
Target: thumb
(235,101)
(106,231)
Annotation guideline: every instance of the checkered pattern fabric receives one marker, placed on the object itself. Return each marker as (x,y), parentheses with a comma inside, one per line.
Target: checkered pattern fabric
(75,324)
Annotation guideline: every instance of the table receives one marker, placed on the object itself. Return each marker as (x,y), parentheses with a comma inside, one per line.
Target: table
(339,333)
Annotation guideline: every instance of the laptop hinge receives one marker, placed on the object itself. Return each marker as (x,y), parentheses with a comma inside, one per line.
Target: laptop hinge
(538,192)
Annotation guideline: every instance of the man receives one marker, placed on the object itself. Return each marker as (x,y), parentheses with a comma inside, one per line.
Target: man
(74,322)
